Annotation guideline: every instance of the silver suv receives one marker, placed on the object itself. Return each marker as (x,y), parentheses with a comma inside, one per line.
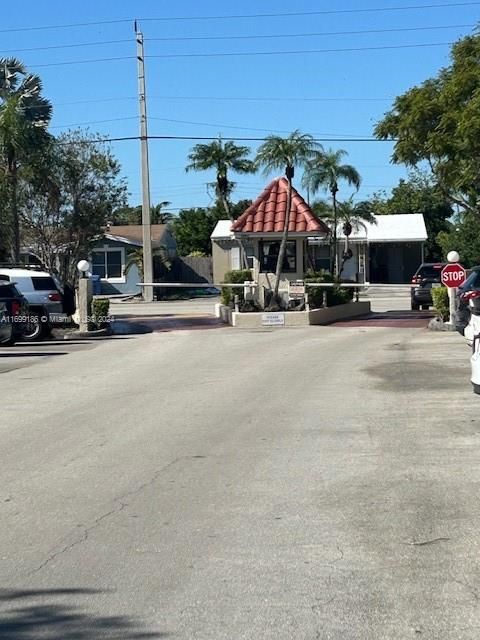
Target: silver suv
(43,296)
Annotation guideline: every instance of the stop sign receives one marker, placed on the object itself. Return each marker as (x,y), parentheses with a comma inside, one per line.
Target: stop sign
(453,275)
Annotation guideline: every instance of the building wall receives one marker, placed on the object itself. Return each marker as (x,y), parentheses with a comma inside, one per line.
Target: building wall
(221,258)
(127,283)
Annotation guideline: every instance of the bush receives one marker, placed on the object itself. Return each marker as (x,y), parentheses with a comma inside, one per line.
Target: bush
(441,302)
(238,276)
(335,295)
(100,309)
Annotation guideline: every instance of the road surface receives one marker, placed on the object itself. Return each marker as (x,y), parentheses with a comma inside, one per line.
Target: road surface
(314,483)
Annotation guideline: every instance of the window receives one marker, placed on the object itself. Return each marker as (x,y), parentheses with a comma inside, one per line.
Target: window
(42,283)
(269,251)
(250,253)
(108,263)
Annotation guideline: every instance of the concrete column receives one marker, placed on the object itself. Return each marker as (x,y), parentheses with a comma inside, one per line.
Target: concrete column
(300,264)
(84,303)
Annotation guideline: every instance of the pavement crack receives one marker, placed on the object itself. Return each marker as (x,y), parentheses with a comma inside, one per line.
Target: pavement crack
(424,543)
(121,505)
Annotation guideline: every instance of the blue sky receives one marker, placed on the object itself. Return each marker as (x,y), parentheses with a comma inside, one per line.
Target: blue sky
(325,93)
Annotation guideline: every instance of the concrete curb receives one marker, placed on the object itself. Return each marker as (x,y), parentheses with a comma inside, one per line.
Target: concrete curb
(117,328)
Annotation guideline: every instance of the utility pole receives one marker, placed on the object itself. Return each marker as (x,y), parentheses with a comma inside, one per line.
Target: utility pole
(145,172)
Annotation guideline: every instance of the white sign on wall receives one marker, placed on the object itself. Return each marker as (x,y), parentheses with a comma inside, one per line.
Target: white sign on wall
(273,319)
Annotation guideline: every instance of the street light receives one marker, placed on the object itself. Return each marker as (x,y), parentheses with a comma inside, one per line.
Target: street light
(83,266)
(453,256)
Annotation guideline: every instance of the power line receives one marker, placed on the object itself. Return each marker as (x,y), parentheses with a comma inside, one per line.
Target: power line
(270,99)
(59,64)
(236,17)
(229,138)
(81,124)
(65,26)
(308,35)
(227,126)
(311,13)
(302,51)
(247,53)
(68,46)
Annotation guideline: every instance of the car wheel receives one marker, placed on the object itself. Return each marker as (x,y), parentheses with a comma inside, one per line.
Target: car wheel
(415,306)
(425,307)
(476,388)
(35,330)
(8,343)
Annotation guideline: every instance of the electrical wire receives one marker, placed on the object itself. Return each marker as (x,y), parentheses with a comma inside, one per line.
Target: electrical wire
(67,46)
(227,138)
(311,13)
(81,124)
(68,62)
(228,126)
(245,16)
(300,51)
(308,35)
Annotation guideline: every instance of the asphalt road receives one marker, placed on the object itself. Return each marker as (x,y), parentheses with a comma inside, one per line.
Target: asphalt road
(317,483)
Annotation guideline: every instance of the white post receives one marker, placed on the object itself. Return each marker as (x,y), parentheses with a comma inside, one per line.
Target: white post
(452,257)
(145,173)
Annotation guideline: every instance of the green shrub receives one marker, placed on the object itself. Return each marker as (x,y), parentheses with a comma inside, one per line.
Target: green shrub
(335,295)
(100,309)
(237,276)
(441,302)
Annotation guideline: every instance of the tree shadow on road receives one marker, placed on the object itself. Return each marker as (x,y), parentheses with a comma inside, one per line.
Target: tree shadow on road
(35,615)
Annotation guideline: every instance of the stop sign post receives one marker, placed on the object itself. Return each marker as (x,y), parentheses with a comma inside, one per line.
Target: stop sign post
(453,275)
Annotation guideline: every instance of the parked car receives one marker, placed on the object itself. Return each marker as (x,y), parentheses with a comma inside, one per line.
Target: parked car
(7,337)
(468,291)
(426,277)
(44,299)
(472,333)
(16,307)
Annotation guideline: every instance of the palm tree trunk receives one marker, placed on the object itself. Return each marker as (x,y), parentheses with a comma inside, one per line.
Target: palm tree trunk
(334,252)
(283,244)
(14,219)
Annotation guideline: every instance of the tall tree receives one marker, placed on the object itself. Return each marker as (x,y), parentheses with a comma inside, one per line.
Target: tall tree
(285,153)
(68,210)
(324,171)
(192,230)
(438,122)
(222,158)
(419,194)
(351,214)
(24,118)
(133,215)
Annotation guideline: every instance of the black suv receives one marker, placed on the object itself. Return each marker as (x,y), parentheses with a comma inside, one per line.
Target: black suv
(427,276)
(468,291)
(15,309)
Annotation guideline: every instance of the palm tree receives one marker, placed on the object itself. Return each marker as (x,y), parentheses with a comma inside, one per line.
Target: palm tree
(324,171)
(24,118)
(222,157)
(135,258)
(350,214)
(158,216)
(279,153)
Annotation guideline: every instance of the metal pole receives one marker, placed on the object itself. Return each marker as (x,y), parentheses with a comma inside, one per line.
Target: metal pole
(145,173)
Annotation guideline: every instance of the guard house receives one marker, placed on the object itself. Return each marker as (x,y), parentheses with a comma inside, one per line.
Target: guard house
(260,230)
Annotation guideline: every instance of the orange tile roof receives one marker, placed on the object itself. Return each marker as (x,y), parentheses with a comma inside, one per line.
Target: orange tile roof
(267,213)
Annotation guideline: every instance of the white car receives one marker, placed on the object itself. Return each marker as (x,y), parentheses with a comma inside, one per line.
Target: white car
(472,334)
(44,299)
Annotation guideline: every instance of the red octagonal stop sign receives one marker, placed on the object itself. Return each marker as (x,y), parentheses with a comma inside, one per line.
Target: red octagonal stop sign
(453,275)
